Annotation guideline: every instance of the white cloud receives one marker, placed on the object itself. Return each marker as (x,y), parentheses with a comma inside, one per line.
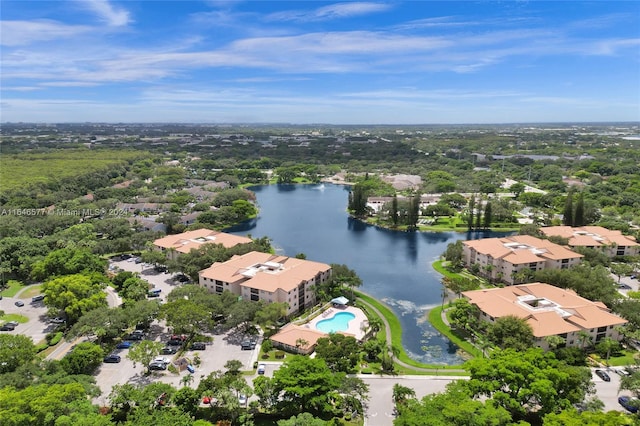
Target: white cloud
(20,33)
(113,16)
(334,11)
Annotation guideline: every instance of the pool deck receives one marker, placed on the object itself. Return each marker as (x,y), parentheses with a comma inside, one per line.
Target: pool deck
(355,326)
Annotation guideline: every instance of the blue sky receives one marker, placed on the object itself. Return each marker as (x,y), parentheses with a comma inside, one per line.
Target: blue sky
(417,62)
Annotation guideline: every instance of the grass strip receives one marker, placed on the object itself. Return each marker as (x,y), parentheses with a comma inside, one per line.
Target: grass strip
(435,318)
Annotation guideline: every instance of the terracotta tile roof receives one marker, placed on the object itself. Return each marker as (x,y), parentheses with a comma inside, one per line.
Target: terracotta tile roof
(185,242)
(265,271)
(548,309)
(519,249)
(291,333)
(590,236)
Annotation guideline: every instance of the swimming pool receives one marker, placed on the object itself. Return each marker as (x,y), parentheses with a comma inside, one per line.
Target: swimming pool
(338,322)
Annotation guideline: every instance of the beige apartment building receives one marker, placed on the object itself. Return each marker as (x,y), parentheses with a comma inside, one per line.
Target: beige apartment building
(175,245)
(504,259)
(550,311)
(263,276)
(612,243)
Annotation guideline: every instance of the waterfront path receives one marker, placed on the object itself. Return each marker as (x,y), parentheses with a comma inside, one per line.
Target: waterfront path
(387,329)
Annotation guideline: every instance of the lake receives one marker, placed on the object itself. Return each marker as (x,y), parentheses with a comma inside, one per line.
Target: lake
(395,266)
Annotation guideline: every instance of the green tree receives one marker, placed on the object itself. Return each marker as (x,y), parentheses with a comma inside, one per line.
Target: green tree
(144,352)
(67,261)
(510,332)
(83,359)
(621,269)
(579,215)
(567,215)
(340,352)
(75,295)
(302,419)
(306,384)
(472,209)
(43,404)
(402,394)
(186,316)
(15,350)
(487,215)
(454,407)
(572,417)
(454,255)
(393,212)
(528,384)
(463,314)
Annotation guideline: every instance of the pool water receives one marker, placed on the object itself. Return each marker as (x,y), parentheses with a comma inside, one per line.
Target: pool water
(338,322)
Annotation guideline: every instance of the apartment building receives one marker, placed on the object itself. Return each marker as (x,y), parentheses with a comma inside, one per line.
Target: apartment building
(263,276)
(175,245)
(550,311)
(506,259)
(611,242)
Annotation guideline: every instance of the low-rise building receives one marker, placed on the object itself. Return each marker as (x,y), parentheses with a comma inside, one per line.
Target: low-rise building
(612,243)
(550,311)
(263,276)
(297,339)
(507,259)
(175,245)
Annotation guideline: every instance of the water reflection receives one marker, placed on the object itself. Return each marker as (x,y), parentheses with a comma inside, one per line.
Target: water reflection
(395,266)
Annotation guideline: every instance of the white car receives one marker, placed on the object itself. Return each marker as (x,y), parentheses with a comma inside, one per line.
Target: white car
(162,359)
(261,368)
(242,399)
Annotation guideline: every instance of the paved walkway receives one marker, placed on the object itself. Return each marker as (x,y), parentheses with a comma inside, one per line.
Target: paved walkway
(387,330)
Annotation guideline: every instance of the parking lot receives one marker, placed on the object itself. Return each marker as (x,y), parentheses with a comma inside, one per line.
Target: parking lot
(38,326)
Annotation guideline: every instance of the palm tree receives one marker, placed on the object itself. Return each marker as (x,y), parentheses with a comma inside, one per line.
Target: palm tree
(584,338)
(554,341)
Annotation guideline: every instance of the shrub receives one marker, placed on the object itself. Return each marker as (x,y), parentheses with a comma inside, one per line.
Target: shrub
(172,369)
(279,354)
(42,346)
(54,339)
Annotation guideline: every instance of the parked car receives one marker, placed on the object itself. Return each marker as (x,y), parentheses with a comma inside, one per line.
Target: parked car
(630,404)
(191,369)
(242,399)
(138,260)
(112,358)
(198,346)
(7,327)
(633,277)
(247,345)
(261,368)
(57,320)
(157,366)
(603,375)
(206,400)
(150,294)
(38,298)
(124,345)
(623,286)
(19,303)
(169,350)
(134,336)
(182,278)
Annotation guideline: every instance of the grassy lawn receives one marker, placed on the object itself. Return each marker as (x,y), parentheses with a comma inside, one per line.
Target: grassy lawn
(622,359)
(435,318)
(31,291)
(13,288)
(396,337)
(13,317)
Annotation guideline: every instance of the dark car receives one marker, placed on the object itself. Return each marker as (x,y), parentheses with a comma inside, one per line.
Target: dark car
(157,366)
(169,350)
(19,303)
(623,286)
(603,375)
(629,403)
(247,345)
(150,294)
(124,345)
(198,346)
(175,342)
(182,278)
(112,359)
(134,336)
(7,327)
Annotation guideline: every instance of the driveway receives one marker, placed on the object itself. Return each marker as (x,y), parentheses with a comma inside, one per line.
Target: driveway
(37,327)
